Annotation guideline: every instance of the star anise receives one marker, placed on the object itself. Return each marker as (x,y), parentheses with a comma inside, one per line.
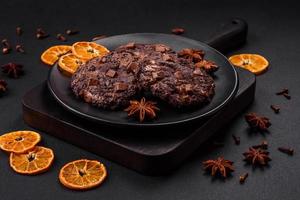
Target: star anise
(142,109)
(3,86)
(255,121)
(13,70)
(194,55)
(220,165)
(257,156)
(208,66)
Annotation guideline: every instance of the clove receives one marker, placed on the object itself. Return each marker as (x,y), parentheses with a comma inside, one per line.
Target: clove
(275,108)
(19,31)
(288,151)
(243,178)
(6,46)
(19,48)
(177,31)
(285,93)
(262,145)
(71,32)
(60,37)
(5,50)
(237,140)
(41,34)
(5,43)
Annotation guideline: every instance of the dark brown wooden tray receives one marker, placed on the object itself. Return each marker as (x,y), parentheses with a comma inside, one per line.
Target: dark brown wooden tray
(149,151)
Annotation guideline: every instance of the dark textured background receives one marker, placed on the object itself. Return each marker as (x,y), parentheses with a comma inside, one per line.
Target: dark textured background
(273,32)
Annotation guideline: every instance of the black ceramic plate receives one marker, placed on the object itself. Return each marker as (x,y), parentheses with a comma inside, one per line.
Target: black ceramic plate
(226,81)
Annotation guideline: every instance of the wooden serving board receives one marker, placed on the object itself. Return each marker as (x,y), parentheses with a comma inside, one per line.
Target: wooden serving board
(150,151)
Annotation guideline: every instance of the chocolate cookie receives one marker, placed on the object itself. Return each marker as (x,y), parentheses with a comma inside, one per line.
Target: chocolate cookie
(186,87)
(174,78)
(105,82)
(158,63)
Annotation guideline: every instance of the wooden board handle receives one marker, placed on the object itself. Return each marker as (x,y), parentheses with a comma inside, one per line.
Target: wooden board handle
(229,36)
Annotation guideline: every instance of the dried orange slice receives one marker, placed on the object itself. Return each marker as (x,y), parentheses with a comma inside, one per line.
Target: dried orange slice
(88,50)
(69,63)
(19,141)
(35,161)
(51,55)
(82,174)
(255,63)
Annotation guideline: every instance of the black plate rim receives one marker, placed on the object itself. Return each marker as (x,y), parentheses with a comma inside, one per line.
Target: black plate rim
(154,124)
